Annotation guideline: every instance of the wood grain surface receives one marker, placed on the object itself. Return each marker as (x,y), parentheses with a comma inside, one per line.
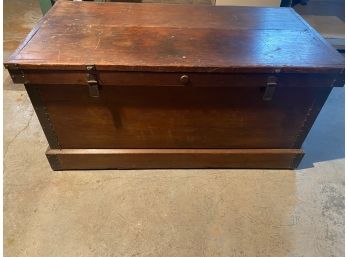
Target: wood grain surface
(195,79)
(180,117)
(179,86)
(66,159)
(159,37)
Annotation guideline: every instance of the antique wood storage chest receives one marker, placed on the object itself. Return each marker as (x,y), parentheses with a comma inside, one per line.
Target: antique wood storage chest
(123,86)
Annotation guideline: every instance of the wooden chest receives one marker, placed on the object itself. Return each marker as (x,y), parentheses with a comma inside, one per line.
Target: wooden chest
(133,86)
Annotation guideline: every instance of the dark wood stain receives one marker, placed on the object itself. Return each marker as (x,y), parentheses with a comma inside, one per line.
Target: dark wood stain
(178,117)
(179,86)
(173,158)
(157,37)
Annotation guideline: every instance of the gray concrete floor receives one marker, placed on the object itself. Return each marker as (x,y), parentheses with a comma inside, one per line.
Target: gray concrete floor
(234,213)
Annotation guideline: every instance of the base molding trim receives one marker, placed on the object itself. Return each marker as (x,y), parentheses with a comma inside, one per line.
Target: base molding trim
(87,159)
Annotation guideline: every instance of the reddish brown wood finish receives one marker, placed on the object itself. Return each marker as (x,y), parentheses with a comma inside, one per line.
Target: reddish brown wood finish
(179,117)
(157,37)
(196,79)
(173,158)
(147,114)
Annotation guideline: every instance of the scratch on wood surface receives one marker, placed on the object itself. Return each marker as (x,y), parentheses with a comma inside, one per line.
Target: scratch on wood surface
(99,39)
(214,69)
(98,43)
(272,51)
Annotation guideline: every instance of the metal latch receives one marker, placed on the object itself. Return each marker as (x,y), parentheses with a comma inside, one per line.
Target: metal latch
(92,81)
(272,83)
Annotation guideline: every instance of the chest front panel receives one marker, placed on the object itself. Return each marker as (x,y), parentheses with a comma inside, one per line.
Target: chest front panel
(179,117)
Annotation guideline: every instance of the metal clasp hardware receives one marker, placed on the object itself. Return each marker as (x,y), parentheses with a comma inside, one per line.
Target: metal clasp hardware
(272,83)
(92,80)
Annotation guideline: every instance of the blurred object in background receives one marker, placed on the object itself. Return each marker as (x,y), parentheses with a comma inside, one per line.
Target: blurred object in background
(272,3)
(327,17)
(330,27)
(322,8)
(302,2)
(261,3)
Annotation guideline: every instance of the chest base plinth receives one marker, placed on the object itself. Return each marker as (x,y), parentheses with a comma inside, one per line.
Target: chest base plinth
(72,159)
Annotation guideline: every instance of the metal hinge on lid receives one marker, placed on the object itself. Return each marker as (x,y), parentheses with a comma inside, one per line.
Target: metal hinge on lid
(92,81)
(272,83)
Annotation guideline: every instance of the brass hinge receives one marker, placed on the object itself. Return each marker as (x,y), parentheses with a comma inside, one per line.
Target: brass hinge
(92,81)
(16,73)
(272,83)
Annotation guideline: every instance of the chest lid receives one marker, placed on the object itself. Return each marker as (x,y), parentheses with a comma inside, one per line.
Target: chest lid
(125,37)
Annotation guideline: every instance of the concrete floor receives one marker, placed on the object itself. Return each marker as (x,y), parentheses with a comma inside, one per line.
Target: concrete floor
(232,213)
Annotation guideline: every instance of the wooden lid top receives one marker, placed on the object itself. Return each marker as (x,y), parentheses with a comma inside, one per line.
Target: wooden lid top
(159,37)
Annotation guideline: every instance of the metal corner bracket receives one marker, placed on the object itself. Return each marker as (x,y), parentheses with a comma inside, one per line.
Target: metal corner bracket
(16,73)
